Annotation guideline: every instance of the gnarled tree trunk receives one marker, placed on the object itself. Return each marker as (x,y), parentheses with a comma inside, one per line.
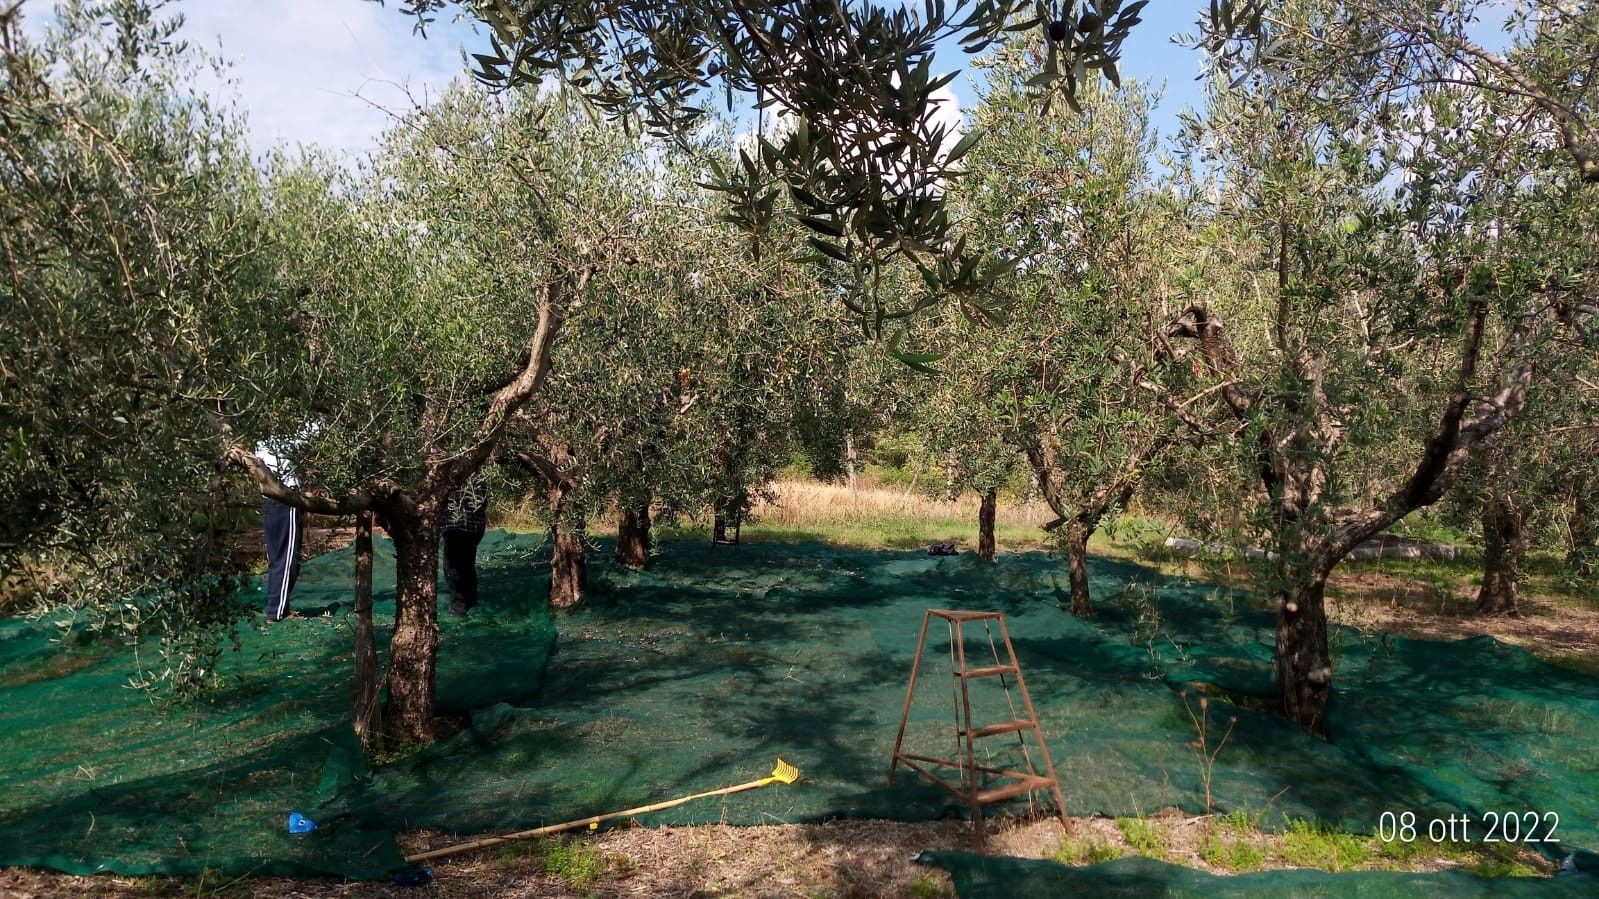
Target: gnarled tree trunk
(1080,523)
(985,524)
(413,648)
(568,574)
(561,476)
(365,711)
(1504,543)
(850,459)
(633,536)
(414,526)
(1074,540)
(1584,556)
(1304,663)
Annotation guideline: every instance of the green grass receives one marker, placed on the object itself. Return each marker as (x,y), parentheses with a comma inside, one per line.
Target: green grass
(1146,837)
(929,887)
(1090,850)
(574,862)
(1311,844)
(1232,853)
(1228,845)
(1500,860)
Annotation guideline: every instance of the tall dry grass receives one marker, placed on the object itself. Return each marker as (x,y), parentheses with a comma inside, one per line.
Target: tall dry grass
(804,503)
(878,516)
(868,516)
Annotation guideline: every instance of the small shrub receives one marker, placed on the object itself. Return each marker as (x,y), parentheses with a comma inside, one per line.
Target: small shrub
(1140,603)
(928,887)
(1090,850)
(1146,837)
(1241,820)
(575,863)
(1232,853)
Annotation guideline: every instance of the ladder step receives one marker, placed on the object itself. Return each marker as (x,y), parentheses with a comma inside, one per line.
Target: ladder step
(1011,790)
(985,672)
(1005,728)
(955,615)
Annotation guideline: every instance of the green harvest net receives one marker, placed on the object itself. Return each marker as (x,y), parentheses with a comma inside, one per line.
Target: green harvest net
(702,671)
(992,877)
(95,776)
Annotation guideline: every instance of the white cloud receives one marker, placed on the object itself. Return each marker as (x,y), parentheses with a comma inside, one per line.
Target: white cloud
(324,71)
(943,108)
(315,71)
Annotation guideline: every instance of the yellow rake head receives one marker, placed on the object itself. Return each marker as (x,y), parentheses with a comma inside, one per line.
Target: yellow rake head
(784,772)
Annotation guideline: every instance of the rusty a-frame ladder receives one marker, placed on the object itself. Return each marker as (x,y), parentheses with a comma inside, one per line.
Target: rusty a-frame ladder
(972,790)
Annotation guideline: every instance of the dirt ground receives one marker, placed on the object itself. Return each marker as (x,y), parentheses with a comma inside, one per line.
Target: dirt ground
(1553,625)
(836,860)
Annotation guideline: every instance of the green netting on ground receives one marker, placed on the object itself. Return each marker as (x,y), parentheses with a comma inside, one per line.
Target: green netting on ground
(700,672)
(988,877)
(94,776)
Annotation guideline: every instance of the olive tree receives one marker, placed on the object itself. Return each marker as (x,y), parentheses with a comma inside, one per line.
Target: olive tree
(856,76)
(1077,376)
(479,229)
(685,384)
(1529,487)
(136,294)
(1403,252)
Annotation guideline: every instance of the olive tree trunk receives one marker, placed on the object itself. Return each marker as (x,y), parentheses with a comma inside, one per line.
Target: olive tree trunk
(1584,556)
(633,537)
(1077,524)
(365,711)
(850,460)
(568,574)
(1304,662)
(413,648)
(412,512)
(567,569)
(1503,544)
(985,524)
(1074,540)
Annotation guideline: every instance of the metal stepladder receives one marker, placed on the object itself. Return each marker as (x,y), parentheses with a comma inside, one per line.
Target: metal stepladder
(972,790)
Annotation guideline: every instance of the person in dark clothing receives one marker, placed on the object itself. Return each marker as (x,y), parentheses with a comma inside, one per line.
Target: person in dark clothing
(464,523)
(284,526)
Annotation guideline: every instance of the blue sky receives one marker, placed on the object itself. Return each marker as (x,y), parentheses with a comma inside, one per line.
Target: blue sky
(330,72)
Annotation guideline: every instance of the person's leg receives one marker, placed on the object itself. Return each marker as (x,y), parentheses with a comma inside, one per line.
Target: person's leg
(297,535)
(469,566)
(455,564)
(279,524)
(460,569)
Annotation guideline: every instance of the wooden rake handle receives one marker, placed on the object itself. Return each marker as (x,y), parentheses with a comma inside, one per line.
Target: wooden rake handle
(585,822)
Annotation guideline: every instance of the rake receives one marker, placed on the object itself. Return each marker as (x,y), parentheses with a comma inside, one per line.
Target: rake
(783,772)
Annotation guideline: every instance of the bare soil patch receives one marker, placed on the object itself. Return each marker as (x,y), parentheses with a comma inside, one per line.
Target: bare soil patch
(1551,624)
(837,860)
